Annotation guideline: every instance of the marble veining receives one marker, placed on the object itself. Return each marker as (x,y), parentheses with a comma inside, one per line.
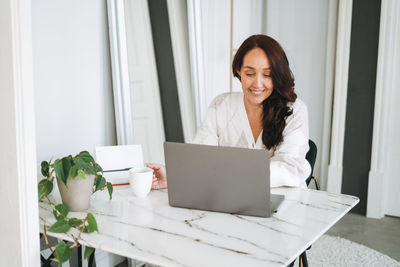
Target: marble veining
(152,231)
(188,222)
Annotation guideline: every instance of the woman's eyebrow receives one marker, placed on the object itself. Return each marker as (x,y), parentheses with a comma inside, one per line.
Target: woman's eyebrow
(248,67)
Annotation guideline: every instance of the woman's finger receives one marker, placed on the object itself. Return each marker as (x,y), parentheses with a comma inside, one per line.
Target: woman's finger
(154,185)
(153,166)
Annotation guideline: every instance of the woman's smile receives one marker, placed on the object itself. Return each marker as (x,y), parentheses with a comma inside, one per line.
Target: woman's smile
(257,92)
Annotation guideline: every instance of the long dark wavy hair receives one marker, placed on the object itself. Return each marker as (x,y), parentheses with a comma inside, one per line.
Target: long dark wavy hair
(275,107)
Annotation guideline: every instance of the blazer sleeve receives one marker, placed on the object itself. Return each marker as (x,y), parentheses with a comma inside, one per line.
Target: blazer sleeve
(207,133)
(288,165)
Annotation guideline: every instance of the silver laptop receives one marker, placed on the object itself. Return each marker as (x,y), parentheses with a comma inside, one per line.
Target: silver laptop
(223,179)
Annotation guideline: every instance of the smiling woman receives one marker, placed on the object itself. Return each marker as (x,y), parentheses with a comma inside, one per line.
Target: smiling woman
(267,115)
(263,69)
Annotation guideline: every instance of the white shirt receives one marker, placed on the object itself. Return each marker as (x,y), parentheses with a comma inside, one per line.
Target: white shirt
(226,124)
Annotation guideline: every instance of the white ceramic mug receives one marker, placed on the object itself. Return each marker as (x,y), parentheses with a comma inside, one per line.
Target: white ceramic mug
(140,180)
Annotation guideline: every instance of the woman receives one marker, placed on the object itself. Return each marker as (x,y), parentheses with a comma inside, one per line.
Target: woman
(267,115)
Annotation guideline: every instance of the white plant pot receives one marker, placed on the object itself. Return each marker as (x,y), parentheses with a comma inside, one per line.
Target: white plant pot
(77,195)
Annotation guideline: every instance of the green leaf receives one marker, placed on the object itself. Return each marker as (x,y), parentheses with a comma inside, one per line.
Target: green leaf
(85,155)
(88,252)
(74,222)
(92,222)
(87,167)
(61,226)
(98,168)
(64,252)
(62,168)
(67,164)
(60,211)
(73,171)
(110,189)
(58,168)
(44,188)
(81,174)
(100,183)
(45,168)
(86,162)
(87,229)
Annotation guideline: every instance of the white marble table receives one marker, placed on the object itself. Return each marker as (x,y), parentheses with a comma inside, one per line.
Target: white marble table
(150,230)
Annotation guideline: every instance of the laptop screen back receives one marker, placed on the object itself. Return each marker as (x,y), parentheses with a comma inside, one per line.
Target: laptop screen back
(223,179)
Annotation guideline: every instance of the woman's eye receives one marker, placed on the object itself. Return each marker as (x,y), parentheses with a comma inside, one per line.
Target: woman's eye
(249,74)
(267,75)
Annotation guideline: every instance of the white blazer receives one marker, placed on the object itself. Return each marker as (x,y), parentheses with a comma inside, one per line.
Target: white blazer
(226,124)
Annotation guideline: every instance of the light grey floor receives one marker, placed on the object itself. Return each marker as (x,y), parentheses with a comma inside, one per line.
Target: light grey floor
(383,235)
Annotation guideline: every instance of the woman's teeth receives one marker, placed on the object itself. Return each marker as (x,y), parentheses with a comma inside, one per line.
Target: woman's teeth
(257,92)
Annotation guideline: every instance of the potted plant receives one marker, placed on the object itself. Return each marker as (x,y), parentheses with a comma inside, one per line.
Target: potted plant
(78,177)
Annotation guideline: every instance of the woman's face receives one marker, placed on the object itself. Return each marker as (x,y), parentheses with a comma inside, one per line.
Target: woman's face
(255,75)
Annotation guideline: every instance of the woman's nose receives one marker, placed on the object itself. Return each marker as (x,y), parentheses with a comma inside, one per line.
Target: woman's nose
(258,81)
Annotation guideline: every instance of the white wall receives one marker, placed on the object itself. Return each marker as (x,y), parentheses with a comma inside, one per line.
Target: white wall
(215,16)
(178,24)
(148,128)
(384,179)
(18,191)
(72,77)
(393,154)
(301,27)
(392,193)
(384,169)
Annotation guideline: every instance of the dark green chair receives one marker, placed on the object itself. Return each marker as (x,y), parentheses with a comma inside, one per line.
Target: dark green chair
(311,156)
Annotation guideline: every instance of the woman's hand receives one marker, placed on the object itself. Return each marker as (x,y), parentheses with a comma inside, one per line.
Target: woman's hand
(159,176)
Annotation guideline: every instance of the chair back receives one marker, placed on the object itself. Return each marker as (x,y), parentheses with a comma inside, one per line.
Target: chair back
(311,156)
